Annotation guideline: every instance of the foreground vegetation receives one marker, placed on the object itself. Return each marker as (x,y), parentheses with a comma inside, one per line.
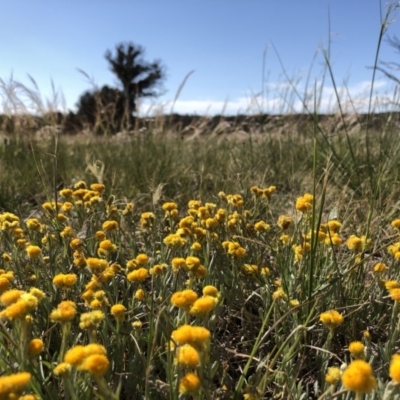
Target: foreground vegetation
(158,267)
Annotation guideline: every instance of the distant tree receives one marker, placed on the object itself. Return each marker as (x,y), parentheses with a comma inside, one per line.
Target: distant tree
(102,109)
(138,77)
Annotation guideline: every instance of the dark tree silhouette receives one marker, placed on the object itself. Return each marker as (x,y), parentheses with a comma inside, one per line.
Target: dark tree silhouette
(138,77)
(102,109)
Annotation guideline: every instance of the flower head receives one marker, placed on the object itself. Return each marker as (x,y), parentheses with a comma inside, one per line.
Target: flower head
(187,356)
(96,365)
(189,384)
(333,375)
(394,368)
(33,251)
(184,299)
(118,311)
(356,349)
(331,319)
(64,312)
(358,377)
(35,347)
(203,305)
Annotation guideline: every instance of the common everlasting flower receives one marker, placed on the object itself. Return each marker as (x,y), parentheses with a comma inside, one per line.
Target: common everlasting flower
(189,384)
(35,347)
(358,377)
(394,368)
(33,251)
(203,305)
(331,319)
(333,375)
(65,312)
(187,356)
(184,299)
(356,349)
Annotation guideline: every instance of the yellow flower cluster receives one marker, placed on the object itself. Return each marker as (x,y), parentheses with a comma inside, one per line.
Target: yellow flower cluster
(234,249)
(12,385)
(91,358)
(19,304)
(65,312)
(304,203)
(263,192)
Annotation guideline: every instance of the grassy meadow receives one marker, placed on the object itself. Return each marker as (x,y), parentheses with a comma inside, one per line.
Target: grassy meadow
(159,265)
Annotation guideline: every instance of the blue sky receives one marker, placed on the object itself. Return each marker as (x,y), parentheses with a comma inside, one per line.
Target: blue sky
(223,41)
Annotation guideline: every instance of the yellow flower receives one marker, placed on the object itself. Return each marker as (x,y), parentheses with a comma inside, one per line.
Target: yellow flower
(64,312)
(108,246)
(334,225)
(389,285)
(333,375)
(91,320)
(304,203)
(192,262)
(394,368)
(33,224)
(331,319)
(187,356)
(189,384)
(24,305)
(14,383)
(177,264)
(294,303)
(395,294)
(76,244)
(210,290)
(380,268)
(97,265)
(147,219)
(357,350)
(184,299)
(284,222)
(96,365)
(236,250)
(354,243)
(118,311)
(33,251)
(396,224)
(137,325)
(65,280)
(67,232)
(196,336)
(138,275)
(10,296)
(110,225)
(261,226)
(358,377)
(100,236)
(267,192)
(75,355)
(203,305)
(67,193)
(62,369)
(139,295)
(157,269)
(35,347)
(97,187)
(279,294)
(174,240)
(142,259)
